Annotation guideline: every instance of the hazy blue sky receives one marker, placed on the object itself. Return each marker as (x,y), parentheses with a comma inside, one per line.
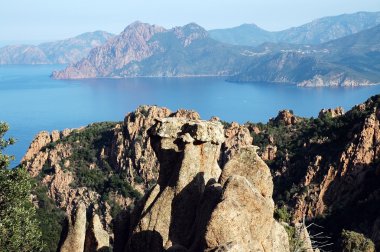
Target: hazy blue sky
(37,20)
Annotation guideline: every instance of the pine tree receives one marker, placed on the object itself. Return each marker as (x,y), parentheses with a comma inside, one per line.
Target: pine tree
(19,229)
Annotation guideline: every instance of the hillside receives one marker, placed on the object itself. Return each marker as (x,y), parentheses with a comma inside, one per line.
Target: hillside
(316,32)
(349,61)
(58,52)
(326,168)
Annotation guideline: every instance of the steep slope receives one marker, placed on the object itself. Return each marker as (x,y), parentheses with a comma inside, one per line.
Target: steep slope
(327,169)
(149,50)
(316,32)
(59,52)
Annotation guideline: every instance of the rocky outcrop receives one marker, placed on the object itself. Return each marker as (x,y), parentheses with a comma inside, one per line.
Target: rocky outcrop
(188,152)
(40,141)
(81,236)
(53,158)
(38,154)
(76,231)
(338,111)
(236,215)
(269,152)
(285,117)
(237,137)
(97,239)
(338,183)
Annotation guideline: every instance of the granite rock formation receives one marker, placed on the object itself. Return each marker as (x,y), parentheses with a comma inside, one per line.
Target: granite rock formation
(189,211)
(285,117)
(338,111)
(128,149)
(81,236)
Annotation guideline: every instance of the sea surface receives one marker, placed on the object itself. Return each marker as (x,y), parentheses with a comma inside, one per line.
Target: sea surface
(30,101)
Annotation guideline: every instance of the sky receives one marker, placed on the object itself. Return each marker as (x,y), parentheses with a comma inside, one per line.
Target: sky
(45,20)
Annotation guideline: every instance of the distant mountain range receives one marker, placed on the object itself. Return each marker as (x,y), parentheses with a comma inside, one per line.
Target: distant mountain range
(316,32)
(349,61)
(60,52)
(150,50)
(333,51)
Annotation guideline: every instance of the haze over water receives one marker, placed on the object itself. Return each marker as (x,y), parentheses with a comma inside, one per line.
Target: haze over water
(31,101)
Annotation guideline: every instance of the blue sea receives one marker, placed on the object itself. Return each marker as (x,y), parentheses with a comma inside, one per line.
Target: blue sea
(30,101)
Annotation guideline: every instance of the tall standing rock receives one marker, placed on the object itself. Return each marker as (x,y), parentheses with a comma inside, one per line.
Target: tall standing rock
(243,219)
(76,231)
(181,213)
(188,152)
(97,239)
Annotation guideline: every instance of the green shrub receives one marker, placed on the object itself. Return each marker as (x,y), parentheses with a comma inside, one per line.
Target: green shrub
(282,214)
(19,226)
(91,178)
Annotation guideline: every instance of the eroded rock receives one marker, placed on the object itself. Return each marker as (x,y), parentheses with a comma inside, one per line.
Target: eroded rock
(185,167)
(74,241)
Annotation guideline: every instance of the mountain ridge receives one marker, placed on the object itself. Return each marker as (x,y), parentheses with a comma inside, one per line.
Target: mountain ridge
(57,52)
(315,32)
(144,50)
(149,50)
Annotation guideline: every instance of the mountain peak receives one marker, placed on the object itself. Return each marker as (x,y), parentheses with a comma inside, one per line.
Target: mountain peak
(101,35)
(190,32)
(139,26)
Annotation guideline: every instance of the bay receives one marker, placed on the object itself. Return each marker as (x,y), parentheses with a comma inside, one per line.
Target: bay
(30,101)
